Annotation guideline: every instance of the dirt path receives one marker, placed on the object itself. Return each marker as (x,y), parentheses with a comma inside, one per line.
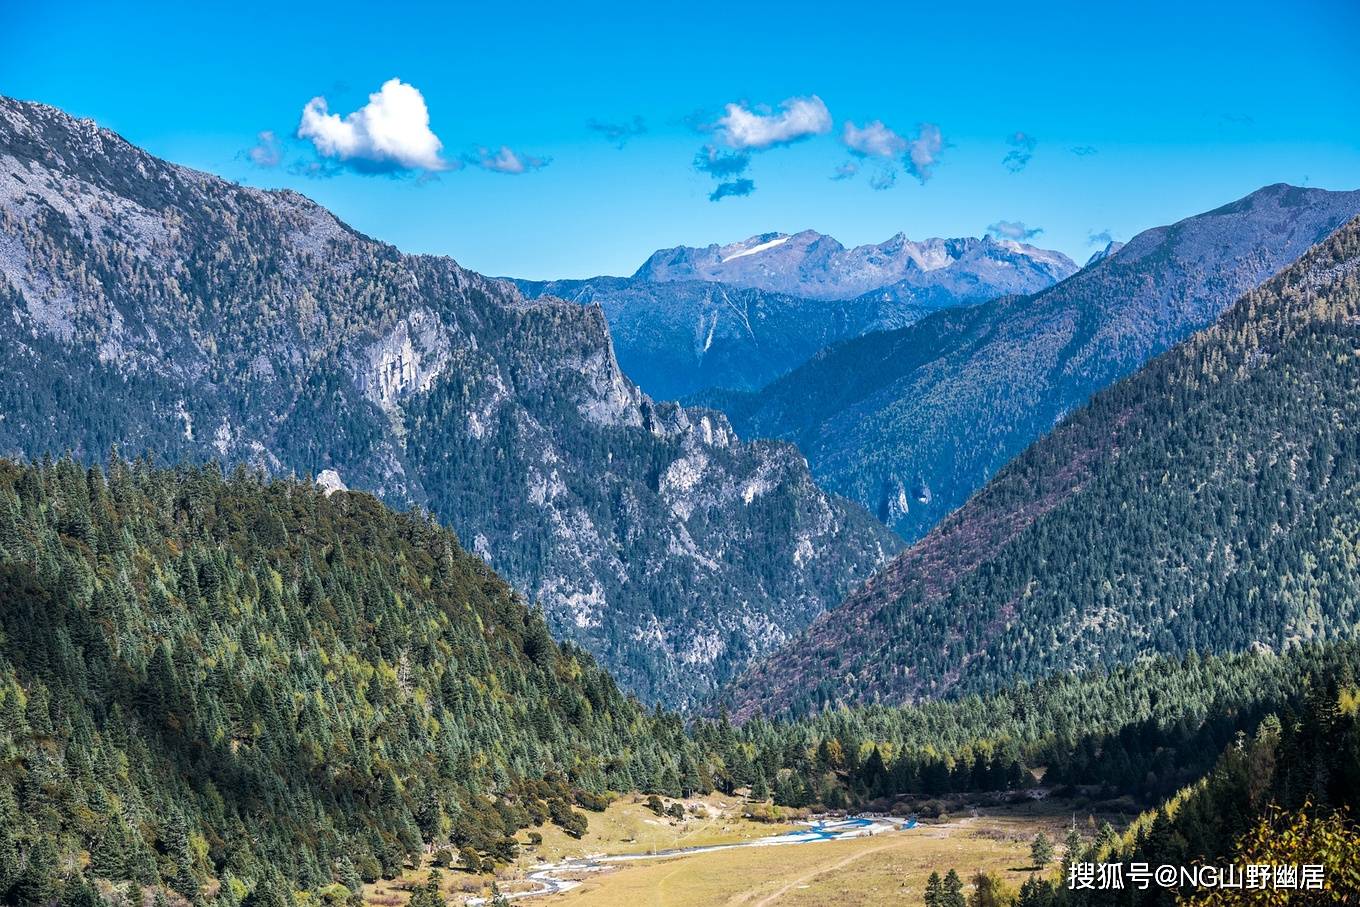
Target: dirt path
(807,877)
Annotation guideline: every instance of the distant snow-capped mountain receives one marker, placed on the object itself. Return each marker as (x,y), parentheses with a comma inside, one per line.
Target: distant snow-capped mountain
(816,266)
(739,316)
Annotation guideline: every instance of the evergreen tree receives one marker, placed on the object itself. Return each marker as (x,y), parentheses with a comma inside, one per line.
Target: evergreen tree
(951,891)
(1041,850)
(1037,892)
(428,894)
(760,789)
(934,888)
(1072,847)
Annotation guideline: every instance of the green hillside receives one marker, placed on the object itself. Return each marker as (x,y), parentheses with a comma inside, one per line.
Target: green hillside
(207,680)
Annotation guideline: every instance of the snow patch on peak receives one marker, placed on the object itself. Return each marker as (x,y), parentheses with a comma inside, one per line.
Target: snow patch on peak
(1056,262)
(930,255)
(753,250)
(812,265)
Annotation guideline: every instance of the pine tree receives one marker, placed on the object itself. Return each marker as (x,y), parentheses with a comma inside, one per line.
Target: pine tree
(1072,847)
(951,891)
(428,894)
(1037,892)
(760,788)
(34,884)
(1041,850)
(934,888)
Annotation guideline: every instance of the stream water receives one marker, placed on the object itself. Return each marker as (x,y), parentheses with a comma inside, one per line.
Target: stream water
(552,878)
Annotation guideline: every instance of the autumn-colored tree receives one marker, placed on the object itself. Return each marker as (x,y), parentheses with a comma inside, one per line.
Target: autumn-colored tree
(1307,836)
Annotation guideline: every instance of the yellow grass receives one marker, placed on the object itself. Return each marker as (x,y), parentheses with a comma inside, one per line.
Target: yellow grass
(628,826)
(891,868)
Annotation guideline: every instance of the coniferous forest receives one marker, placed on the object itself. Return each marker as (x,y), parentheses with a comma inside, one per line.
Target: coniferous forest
(252,683)
(236,689)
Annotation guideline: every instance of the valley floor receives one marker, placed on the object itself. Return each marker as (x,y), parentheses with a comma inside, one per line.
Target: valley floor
(889,866)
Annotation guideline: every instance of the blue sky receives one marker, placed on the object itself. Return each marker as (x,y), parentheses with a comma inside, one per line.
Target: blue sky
(1179,107)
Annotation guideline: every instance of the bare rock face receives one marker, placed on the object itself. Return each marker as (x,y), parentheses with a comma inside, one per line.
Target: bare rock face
(164,310)
(330,482)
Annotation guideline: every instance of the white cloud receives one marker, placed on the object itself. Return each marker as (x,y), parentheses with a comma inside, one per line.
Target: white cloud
(797,118)
(390,132)
(874,140)
(505,160)
(923,152)
(1014,230)
(266,152)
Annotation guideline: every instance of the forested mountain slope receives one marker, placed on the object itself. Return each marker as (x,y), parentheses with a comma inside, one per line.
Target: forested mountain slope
(253,683)
(1140,731)
(1209,502)
(166,310)
(911,422)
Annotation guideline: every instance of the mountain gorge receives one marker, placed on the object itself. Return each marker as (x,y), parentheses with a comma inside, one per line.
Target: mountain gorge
(1207,503)
(241,691)
(741,315)
(154,308)
(911,422)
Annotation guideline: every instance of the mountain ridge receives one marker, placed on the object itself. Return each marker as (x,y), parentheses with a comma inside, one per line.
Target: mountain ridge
(156,308)
(817,266)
